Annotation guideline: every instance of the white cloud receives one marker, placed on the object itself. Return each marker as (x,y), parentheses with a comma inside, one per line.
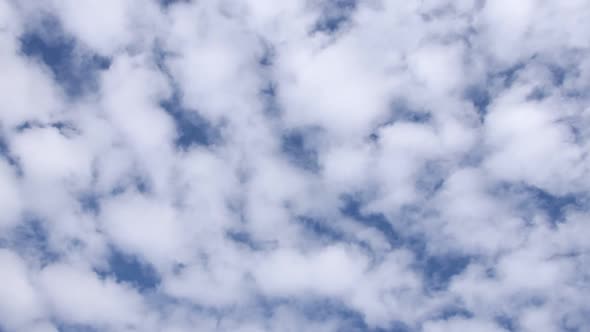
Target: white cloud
(525,134)
(46,155)
(10,196)
(25,78)
(431,130)
(161,236)
(461,325)
(77,295)
(331,271)
(20,305)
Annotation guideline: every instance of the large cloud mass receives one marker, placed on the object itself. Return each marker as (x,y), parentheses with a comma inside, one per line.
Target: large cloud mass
(299,165)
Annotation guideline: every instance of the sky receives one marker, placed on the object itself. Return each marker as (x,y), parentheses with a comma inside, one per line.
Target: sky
(295,165)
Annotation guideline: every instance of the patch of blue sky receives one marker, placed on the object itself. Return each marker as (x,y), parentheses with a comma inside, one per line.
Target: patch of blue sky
(555,207)
(452,311)
(268,55)
(192,129)
(268,94)
(65,128)
(352,207)
(31,239)
(269,90)
(431,177)
(74,68)
(168,3)
(334,15)
(132,270)
(479,95)
(136,181)
(9,157)
(320,229)
(245,239)
(507,322)
(577,321)
(531,200)
(299,148)
(89,202)
(322,310)
(436,270)
(401,111)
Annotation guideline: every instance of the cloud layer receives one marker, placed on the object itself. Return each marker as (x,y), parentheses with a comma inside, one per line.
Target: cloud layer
(318,165)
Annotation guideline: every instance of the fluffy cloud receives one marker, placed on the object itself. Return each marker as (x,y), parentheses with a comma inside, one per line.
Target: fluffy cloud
(318,165)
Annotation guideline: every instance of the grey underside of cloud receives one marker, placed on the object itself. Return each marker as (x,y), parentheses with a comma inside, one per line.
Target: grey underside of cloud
(299,165)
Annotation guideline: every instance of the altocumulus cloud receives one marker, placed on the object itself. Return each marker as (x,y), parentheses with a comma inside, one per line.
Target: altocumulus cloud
(298,165)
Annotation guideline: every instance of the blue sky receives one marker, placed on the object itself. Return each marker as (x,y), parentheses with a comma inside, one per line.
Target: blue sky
(321,165)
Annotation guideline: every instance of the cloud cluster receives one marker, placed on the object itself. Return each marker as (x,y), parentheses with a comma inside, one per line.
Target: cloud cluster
(317,165)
